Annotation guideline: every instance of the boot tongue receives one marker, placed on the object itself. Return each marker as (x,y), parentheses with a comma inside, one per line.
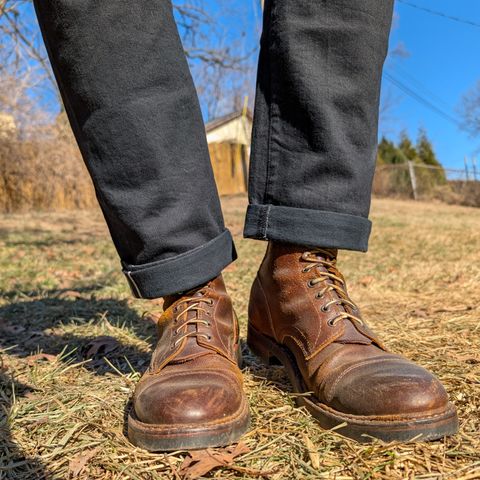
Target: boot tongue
(169,300)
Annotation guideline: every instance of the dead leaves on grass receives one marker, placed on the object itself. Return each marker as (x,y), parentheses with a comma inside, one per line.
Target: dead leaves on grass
(32,359)
(79,462)
(100,346)
(201,462)
(441,332)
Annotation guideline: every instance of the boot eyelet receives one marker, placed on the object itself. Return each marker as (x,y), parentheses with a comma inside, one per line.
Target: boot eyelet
(325,309)
(209,337)
(330,323)
(310,284)
(305,270)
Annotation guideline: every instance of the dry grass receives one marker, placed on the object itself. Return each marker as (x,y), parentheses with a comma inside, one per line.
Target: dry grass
(393,181)
(41,169)
(61,288)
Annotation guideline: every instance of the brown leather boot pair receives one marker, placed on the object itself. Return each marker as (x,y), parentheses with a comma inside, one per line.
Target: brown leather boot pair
(301,315)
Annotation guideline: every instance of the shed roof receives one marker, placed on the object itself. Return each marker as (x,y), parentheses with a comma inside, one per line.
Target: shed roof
(220,121)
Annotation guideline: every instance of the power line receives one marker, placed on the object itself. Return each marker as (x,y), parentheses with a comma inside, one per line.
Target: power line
(411,93)
(421,87)
(440,14)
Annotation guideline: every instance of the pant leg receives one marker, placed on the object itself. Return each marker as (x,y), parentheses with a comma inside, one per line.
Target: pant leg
(316,119)
(131,102)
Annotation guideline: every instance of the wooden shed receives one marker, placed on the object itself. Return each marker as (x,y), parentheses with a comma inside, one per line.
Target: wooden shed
(229,140)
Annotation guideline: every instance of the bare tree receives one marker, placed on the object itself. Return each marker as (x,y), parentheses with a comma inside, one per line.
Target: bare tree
(221,67)
(40,165)
(212,58)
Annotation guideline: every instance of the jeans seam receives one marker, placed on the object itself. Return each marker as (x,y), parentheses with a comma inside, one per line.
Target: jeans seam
(267,216)
(136,288)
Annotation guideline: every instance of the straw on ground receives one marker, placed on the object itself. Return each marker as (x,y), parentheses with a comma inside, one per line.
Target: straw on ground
(64,391)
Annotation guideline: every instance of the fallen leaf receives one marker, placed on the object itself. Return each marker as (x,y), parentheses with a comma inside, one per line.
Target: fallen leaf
(200,462)
(312,452)
(100,346)
(40,356)
(79,462)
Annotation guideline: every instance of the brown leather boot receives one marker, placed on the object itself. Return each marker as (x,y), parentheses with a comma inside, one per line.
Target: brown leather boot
(192,395)
(300,314)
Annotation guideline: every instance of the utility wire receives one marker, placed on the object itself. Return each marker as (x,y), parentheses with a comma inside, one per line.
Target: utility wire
(411,93)
(440,14)
(420,87)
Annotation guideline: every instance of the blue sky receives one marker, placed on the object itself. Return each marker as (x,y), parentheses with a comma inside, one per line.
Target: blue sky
(442,64)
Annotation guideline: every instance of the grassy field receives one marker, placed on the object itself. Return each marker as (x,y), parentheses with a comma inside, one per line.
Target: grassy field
(64,390)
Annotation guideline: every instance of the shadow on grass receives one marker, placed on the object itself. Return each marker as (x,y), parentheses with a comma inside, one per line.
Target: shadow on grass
(43,324)
(13,463)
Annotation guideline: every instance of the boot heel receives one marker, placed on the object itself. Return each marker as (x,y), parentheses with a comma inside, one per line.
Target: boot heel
(258,345)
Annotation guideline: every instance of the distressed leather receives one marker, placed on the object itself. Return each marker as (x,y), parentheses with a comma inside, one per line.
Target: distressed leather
(194,378)
(341,361)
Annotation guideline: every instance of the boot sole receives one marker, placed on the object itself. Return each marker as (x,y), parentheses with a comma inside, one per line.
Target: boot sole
(169,438)
(364,429)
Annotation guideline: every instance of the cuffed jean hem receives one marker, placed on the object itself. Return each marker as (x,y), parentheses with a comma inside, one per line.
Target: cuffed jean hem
(182,272)
(312,228)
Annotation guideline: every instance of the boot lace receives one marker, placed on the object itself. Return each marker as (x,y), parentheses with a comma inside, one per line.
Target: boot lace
(194,304)
(336,284)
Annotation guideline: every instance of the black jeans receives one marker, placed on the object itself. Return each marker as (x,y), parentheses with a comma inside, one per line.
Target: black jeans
(133,108)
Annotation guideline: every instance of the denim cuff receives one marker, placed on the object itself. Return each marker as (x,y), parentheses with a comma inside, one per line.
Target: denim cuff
(182,272)
(312,228)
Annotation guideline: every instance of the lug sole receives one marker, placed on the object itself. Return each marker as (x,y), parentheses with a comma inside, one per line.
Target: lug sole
(169,438)
(361,428)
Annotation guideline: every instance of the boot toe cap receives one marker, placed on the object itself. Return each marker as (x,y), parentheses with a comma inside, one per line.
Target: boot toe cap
(393,388)
(188,399)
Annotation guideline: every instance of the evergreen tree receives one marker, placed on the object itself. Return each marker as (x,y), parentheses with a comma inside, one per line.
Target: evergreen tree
(425,150)
(407,147)
(421,153)
(388,153)
(426,155)
(393,180)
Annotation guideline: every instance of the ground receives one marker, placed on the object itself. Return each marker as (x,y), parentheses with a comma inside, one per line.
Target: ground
(64,391)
